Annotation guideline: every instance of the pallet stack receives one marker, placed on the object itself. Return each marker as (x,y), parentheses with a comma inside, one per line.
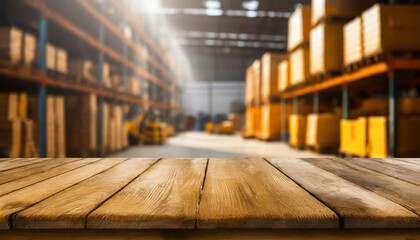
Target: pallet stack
(56,128)
(115,135)
(17,48)
(16,129)
(270,104)
(253,100)
(298,46)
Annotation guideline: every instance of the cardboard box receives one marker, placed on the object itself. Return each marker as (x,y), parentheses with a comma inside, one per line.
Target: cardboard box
(391,28)
(297,130)
(299,66)
(269,76)
(299,27)
(326,48)
(284,75)
(323,130)
(353,41)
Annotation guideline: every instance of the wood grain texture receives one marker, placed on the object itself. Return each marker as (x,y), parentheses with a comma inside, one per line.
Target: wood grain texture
(406,172)
(69,208)
(28,170)
(19,162)
(164,196)
(250,193)
(401,192)
(28,196)
(32,179)
(358,207)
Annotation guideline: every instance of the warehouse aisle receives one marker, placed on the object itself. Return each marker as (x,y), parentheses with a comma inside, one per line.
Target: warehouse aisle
(198,144)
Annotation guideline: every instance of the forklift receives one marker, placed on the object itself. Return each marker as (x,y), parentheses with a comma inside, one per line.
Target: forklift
(146,132)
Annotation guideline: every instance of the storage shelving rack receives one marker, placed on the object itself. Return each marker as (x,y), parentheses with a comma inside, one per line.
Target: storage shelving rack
(159,73)
(388,69)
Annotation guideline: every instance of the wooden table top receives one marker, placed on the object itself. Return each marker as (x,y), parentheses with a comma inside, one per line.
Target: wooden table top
(209,193)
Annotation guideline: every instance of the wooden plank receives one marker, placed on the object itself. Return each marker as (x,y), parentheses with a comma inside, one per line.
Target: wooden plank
(29,180)
(19,162)
(358,207)
(26,197)
(250,193)
(410,160)
(410,173)
(165,196)
(69,208)
(28,170)
(401,192)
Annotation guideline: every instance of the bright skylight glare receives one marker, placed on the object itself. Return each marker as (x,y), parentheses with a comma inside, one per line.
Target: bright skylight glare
(251,5)
(212,4)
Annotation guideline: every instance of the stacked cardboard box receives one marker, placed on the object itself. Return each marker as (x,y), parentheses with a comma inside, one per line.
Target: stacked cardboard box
(56,134)
(16,129)
(323,131)
(284,75)
(298,45)
(84,71)
(269,77)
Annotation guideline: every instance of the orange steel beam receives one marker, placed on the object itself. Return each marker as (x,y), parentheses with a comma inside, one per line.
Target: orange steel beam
(27,75)
(127,41)
(363,73)
(95,43)
(139,29)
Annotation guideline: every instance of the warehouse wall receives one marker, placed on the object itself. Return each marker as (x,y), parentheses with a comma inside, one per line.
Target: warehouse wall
(196,97)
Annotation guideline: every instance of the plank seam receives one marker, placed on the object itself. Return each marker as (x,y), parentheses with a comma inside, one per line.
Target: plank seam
(13,215)
(200,196)
(340,219)
(377,193)
(52,176)
(386,174)
(25,165)
(112,195)
(75,160)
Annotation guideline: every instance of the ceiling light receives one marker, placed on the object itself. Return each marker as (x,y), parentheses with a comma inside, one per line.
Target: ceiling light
(212,4)
(251,5)
(214,12)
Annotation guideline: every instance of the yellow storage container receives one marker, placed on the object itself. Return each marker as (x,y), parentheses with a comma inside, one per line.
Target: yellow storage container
(257,121)
(269,76)
(284,75)
(249,130)
(299,27)
(209,127)
(225,127)
(299,65)
(353,41)
(323,131)
(354,137)
(326,48)
(407,137)
(346,127)
(270,122)
(297,130)
(343,9)
(390,28)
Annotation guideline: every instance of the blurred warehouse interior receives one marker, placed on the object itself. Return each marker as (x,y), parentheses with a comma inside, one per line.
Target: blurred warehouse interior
(86,78)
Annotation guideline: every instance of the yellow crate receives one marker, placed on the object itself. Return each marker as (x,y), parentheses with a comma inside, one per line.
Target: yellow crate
(297,130)
(323,130)
(390,28)
(344,9)
(353,41)
(249,130)
(408,131)
(299,65)
(326,48)
(299,27)
(284,75)
(209,127)
(354,136)
(225,127)
(270,122)
(269,76)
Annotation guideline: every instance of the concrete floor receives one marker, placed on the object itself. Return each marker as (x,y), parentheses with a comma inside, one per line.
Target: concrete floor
(202,145)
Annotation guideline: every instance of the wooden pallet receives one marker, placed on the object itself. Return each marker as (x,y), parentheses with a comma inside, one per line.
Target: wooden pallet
(320,77)
(323,149)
